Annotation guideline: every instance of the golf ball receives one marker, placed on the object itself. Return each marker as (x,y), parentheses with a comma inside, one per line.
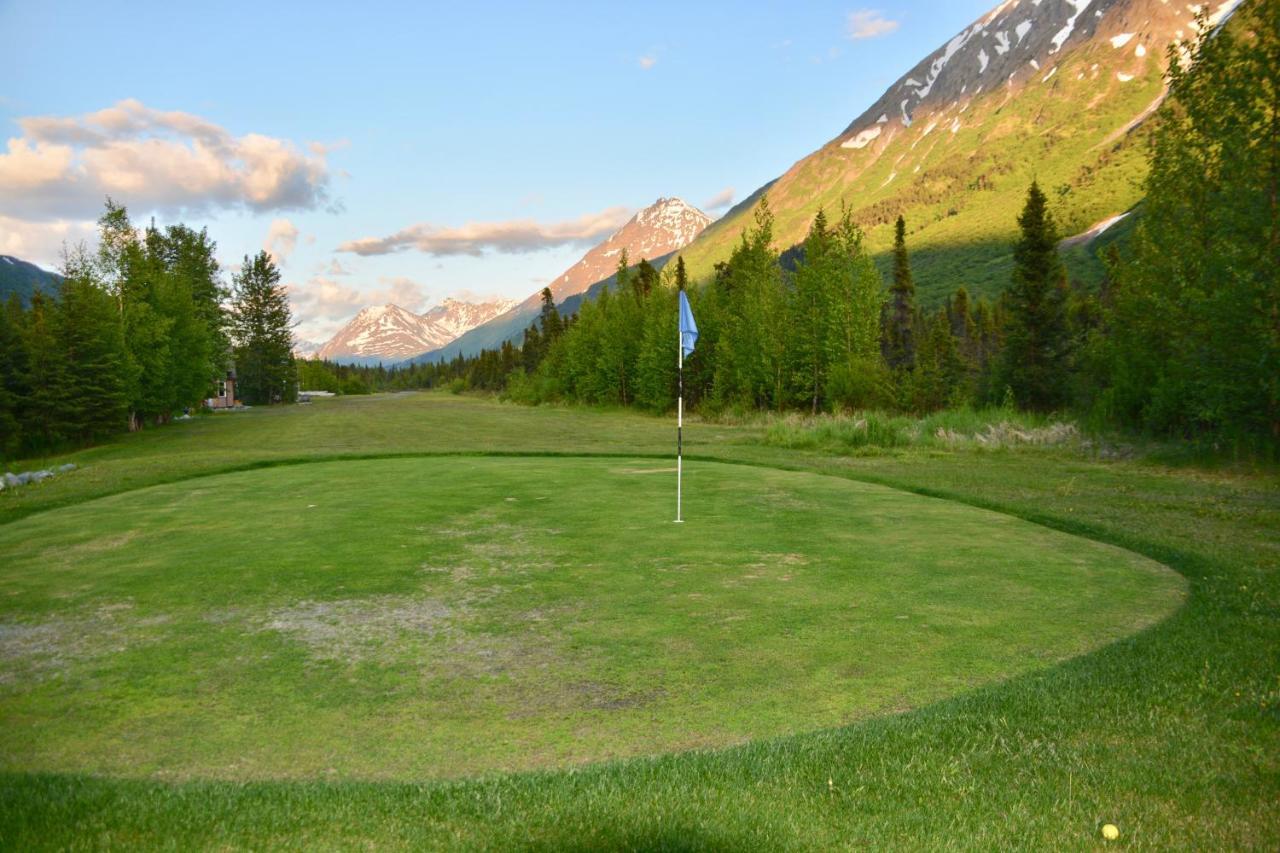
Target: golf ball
(1110,832)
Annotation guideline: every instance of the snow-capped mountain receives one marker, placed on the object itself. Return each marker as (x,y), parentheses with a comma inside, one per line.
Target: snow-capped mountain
(660,229)
(304,348)
(653,234)
(389,333)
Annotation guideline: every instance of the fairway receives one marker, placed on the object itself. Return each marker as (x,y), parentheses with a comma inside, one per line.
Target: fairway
(446,616)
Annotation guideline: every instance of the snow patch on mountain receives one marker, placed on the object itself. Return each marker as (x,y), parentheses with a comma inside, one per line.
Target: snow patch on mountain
(1065,33)
(862,140)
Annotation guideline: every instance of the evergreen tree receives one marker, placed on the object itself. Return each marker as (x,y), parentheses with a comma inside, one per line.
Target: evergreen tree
(46,418)
(91,339)
(14,376)
(646,279)
(549,318)
(1035,359)
(263,334)
(900,345)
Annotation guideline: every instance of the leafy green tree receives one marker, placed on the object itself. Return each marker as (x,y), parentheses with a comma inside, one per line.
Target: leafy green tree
(1195,328)
(811,310)
(751,367)
(855,300)
(1035,359)
(262,330)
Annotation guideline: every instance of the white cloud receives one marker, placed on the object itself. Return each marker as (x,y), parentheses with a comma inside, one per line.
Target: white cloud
(510,237)
(42,243)
(647,62)
(868,24)
(720,200)
(282,239)
(62,167)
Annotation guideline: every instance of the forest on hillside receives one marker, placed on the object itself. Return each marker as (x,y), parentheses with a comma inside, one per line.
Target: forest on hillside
(1182,338)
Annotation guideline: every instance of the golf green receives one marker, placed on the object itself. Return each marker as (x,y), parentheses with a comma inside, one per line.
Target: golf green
(433,617)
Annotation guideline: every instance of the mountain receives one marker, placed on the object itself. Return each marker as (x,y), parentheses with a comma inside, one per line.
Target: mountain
(25,278)
(662,228)
(389,333)
(1051,90)
(306,349)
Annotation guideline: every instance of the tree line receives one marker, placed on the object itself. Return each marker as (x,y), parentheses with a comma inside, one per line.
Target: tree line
(139,331)
(1181,340)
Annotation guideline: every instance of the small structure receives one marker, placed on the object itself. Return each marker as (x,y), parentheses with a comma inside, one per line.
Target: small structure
(226,393)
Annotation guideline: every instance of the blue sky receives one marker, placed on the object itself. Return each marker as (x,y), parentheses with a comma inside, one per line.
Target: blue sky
(488,127)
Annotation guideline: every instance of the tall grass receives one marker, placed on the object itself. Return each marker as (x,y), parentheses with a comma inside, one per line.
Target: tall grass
(992,428)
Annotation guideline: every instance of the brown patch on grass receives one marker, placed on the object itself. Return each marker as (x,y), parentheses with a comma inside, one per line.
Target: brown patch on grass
(34,651)
(351,630)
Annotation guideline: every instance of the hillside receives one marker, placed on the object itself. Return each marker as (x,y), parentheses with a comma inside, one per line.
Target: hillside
(662,228)
(1054,91)
(25,278)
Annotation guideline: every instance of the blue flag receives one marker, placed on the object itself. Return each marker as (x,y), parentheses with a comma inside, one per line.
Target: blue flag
(688,328)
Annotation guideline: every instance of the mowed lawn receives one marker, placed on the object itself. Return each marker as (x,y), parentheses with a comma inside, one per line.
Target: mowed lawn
(438,617)
(326,654)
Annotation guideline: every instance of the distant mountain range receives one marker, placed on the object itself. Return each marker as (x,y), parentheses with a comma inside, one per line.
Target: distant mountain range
(25,278)
(1052,90)
(389,334)
(653,234)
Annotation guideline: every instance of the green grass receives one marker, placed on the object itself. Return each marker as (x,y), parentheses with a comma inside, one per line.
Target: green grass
(441,617)
(1173,733)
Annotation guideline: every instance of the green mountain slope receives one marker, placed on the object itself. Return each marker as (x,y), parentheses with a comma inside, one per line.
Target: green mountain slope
(954,143)
(23,278)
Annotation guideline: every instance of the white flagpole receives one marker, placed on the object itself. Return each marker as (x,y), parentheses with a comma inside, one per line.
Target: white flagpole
(679,422)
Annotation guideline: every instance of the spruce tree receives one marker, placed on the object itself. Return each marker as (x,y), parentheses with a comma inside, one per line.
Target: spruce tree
(47,419)
(263,333)
(14,387)
(1034,362)
(91,336)
(549,318)
(900,345)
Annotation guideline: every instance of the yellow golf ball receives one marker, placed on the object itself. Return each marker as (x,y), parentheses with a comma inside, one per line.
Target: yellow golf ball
(1110,832)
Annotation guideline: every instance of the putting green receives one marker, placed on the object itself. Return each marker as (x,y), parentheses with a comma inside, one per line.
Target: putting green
(434,617)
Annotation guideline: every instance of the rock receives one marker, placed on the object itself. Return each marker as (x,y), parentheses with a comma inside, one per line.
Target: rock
(12,480)
(70,466)
(37,476)
(24,478)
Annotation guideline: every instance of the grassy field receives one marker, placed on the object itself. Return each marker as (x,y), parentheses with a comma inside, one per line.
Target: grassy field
(1172,733)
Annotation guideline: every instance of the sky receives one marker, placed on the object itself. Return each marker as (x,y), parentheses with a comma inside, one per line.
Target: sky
(407,152)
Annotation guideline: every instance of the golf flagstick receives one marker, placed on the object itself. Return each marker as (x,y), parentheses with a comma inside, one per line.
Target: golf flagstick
(680,419)
(687,334)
